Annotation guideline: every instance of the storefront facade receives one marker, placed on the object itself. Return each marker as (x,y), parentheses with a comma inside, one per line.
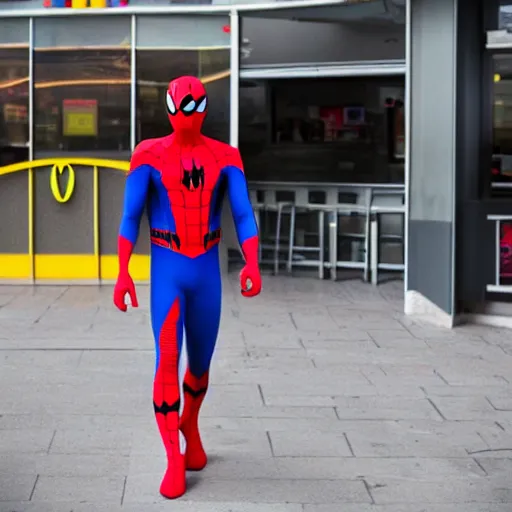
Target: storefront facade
(83,87)
(429,78)
(459,191)
(78,92)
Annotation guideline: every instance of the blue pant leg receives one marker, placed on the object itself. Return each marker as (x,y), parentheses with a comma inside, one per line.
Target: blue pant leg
(202,314)
(165,290)
(167,314)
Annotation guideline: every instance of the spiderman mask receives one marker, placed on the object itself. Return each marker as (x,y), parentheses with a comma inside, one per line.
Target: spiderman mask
(186,106)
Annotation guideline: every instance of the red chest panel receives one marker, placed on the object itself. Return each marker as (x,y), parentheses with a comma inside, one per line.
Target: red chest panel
(190,177)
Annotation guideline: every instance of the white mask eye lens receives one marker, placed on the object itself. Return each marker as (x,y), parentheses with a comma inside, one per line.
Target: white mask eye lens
(189,107)
(202,106)
(170,104)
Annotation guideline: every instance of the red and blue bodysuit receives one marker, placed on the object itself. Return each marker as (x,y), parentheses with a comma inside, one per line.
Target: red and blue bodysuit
(182,180)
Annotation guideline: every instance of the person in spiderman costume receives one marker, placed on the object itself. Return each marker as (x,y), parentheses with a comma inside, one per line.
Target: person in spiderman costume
(182,178)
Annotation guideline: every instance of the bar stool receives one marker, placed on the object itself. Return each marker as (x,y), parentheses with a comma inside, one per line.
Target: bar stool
(282,208)
(360,208)
(268,201)
(303,205)
(389,203)
(319,249)
(257,207)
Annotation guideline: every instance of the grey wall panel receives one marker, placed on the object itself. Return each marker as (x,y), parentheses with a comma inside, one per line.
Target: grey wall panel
(275,41)
(20,4)
(14,213)
(82,31)
(433,109)
(64,228)
(14,30)
(430,246)
(111,194)
(111,198)
(178,31)
(433,149)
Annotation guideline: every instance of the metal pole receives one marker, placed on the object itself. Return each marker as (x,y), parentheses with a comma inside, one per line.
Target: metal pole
(133,86)
(454,254)
(408,102)
(497,258)
(31,149)
(234,86)
(31,89)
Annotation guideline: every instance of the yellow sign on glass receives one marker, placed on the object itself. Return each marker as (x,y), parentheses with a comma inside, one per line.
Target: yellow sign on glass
(58,170)
(80,118)
(77,123)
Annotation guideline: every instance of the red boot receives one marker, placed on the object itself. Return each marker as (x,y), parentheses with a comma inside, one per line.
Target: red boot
(166,400)
(173,484)
(194,390)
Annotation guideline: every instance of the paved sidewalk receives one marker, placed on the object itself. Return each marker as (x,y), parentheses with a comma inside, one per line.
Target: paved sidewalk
(325,399)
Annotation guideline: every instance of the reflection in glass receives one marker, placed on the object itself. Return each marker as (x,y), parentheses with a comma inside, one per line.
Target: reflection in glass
(254,133)
(14,132)
(501,168)
(214,70)
(323,130)
(82,99)
(153,78)
(505,16)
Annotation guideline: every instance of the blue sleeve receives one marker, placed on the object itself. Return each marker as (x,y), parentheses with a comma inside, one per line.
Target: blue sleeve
(135,197)
(241,208)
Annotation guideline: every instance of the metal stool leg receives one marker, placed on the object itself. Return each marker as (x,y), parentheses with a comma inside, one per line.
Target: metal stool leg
(292,240)
(278,237)
(321,256)
(374,230)
(367,247)
(333,239)
(258,223)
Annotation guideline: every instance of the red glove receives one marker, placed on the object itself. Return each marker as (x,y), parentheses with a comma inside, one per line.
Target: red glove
(124,284)
(250,277)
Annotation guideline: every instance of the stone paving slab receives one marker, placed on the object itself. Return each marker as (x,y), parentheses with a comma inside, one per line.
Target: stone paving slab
(140,489)
(324,397)
(412,507)
(79,489)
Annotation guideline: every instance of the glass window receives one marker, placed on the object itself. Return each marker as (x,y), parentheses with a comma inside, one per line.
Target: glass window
(505,16)
(359,37)
(212,66)
(152,81)
(501,168)
(254,132)
(214,70)
(173,46)
(324,130)
(82,84)
(14,102)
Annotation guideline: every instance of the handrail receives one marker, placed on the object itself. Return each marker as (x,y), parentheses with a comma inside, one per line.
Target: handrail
(387,209)
(118,165)
(317,184)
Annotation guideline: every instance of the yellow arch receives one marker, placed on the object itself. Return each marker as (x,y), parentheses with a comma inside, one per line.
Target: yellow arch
(118,165)
(67,267)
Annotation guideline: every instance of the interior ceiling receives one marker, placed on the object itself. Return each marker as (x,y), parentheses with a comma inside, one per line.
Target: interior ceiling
(374,12)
